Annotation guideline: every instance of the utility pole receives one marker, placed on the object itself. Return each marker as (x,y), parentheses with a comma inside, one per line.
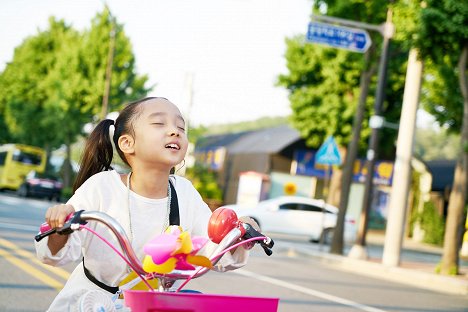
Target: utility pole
(359,248)
(110,61)
(188,160)
(402,177)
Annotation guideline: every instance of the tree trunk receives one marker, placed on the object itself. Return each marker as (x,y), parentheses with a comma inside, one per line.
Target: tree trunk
(67,168)
(333,197)
(457,201)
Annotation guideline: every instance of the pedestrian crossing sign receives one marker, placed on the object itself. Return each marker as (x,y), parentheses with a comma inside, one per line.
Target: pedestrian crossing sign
(328,153)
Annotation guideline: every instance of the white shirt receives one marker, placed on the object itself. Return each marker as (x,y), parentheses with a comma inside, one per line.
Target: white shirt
(105,192)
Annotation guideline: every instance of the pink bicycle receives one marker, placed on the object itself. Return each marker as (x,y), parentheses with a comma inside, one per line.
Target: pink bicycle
(224,229)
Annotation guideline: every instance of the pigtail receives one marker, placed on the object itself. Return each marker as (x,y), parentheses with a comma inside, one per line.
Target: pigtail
(97,154)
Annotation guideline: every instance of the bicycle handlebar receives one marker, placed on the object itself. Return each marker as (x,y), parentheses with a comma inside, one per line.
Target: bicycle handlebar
(236,232)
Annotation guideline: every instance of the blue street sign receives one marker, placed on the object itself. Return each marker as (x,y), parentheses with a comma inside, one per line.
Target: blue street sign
(353,39)
(328,153)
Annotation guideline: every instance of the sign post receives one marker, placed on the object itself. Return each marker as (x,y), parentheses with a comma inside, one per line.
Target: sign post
(328,155)
(353,39)
(387,31)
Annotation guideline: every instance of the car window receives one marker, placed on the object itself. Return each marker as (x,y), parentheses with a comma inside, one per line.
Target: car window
(289,206)
(311,208)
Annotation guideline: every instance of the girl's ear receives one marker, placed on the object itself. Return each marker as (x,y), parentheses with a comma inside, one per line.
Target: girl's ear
(126,143)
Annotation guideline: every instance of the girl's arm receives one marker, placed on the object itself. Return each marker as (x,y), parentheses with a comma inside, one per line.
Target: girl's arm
(55,217)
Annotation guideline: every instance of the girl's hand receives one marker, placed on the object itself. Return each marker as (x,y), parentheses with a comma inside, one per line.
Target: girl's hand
(56,215)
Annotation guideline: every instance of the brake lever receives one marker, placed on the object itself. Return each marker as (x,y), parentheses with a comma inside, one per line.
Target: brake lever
(267,243)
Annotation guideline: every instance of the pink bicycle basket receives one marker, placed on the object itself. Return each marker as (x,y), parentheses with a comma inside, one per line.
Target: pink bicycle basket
(146,301)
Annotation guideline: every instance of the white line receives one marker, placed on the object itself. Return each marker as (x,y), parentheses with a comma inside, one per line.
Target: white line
(307,291)
(17,226)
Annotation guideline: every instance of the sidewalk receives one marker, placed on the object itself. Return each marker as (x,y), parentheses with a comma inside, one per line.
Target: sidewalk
(417,265)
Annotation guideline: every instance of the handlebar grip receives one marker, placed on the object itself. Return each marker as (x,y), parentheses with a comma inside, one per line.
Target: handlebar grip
(67,228)
(45,227)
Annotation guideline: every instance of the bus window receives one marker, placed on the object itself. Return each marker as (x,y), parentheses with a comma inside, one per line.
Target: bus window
(16,161)
(3,156)
(26,158)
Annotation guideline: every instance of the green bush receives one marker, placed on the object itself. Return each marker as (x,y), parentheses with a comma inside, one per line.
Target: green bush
(205,181)
(433,224)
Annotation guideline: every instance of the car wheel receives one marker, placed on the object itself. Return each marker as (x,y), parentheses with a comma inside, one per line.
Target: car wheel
(55,197)
(327,236)
(22,191)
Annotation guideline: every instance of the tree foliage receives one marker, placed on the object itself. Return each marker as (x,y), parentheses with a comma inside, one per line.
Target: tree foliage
(432,144)
(443,32)
(442,38)
(26,86)
(324,82)
(55,83)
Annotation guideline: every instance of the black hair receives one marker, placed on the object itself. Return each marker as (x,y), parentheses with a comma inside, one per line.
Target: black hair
(98,152)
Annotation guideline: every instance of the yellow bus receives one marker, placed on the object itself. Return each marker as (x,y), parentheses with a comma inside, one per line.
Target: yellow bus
(16,161)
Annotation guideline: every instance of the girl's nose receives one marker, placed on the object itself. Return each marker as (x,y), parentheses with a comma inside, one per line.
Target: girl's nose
(173,132)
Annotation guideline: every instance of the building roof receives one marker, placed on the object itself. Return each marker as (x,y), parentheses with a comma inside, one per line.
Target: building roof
(268,140)
(219,140)
(442,173)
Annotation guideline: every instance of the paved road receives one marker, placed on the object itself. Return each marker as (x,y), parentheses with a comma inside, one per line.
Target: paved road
(302,282)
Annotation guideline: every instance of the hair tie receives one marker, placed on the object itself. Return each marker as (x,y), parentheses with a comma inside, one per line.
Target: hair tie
(111,130)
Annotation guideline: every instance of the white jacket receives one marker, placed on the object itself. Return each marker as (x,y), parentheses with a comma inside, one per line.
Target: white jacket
(105,192)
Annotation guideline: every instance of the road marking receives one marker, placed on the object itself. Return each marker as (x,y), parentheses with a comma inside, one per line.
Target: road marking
(17,226)
(15,201)
(31,270)
(307,291)
(26,254)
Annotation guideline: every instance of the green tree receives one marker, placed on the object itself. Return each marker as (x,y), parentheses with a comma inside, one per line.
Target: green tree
(126,84)
(431,144)
(25,88)
(324,82)
(55,82)
(442,38)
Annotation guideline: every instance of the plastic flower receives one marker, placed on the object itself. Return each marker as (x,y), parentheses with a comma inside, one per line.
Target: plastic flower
(174,250)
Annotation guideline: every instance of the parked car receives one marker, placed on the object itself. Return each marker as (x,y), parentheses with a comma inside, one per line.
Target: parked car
(298,216)
(38,184)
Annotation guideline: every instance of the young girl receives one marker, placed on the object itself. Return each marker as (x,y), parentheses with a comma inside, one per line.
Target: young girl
(150,137)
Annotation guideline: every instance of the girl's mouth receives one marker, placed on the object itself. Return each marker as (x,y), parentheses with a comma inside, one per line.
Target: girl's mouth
(173,146)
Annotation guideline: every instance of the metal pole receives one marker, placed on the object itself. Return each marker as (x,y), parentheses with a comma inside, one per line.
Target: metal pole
(110,61)
(358,250)
(351,154)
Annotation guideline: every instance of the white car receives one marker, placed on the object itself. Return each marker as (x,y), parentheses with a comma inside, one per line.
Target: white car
(297,216)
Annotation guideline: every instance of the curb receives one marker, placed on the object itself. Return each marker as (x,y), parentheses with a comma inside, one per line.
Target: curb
(426,280)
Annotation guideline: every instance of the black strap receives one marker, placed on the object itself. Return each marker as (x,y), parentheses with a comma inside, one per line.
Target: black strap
(90,276)
(174,219)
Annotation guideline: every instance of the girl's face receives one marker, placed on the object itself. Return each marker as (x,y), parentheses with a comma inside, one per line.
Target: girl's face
(160,134)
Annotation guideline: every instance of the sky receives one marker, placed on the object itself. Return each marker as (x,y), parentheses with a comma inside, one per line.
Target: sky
(218,60)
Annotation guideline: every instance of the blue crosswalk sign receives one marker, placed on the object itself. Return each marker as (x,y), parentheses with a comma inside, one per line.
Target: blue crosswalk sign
(328,153)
